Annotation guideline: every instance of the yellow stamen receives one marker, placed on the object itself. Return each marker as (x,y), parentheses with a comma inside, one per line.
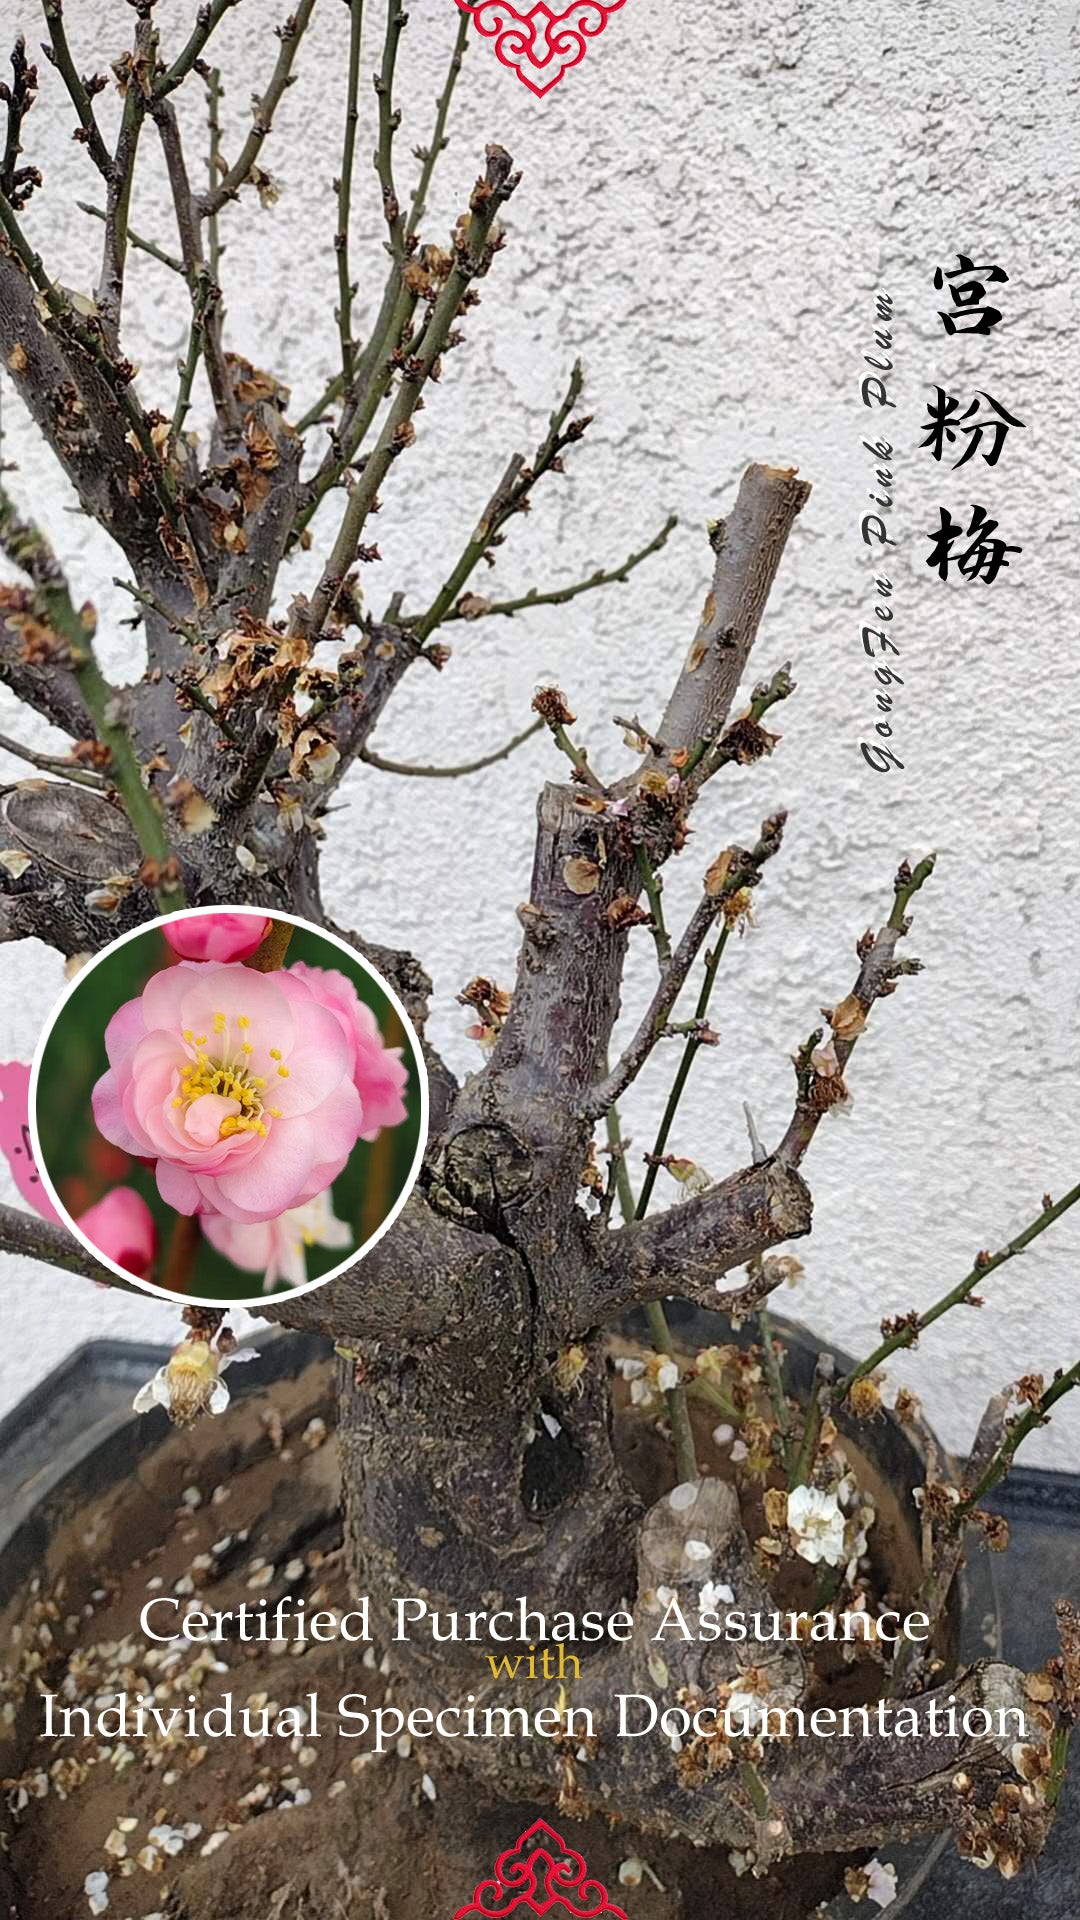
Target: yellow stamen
(242,1020)
(283,1072)
(247,1047)
(188,1035)
(275,1053)
(274,1112)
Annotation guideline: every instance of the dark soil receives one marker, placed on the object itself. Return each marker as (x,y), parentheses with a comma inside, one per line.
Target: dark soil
(312,1830)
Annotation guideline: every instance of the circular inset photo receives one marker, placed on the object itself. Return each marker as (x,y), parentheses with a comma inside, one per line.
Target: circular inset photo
(226,1106)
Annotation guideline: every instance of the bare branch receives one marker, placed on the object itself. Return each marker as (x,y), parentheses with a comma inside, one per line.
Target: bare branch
(20,262)
(37,1239)
(137,240)
(344,196)
(689,1248)
(395,299)
(65,635)
(740,869)
(909,1327)
(205,295)
(475,607)
(429,155)
(878,975)
(290,36)
(209,16)
(748,547)
(389,121)
(53,763)
(373,759)
(110,293)
(472,258)
(60,54)
(512,495)
(18,183)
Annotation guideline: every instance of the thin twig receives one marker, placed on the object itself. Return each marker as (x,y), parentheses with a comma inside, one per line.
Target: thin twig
(682,1432)
(470,261)
(1016,1434)
(60,54)
(877,977)
(146,599)
(54,763)
(75,630)
(560,596)
(208,17)
(653,889)
(290,36)
(437,143)
(205,295)
(136,240)
(20,182)
(907,1333)
(377,346)
(344,196)
(110,292)
(576,755)
(215,169)
(743,870)
(373,759)
(510,497)
(389,121)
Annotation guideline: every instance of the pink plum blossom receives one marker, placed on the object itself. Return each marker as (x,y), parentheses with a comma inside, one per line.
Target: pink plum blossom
(379,1073)
(122,1227)
(217,936)
(276,1248)
(238,1084)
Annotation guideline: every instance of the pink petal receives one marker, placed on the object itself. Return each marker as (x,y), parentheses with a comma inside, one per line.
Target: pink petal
(338,1125)
(268,1182)
(236,992)
(106,1102)
(203,1118)
(316,1063)
(121,1225)
(124,1031)
(217,936)
(162,995)
(249,1247)
(178,1188)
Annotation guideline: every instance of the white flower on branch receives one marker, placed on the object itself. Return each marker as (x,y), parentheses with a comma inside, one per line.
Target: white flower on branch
(816,1522)
(190,1382)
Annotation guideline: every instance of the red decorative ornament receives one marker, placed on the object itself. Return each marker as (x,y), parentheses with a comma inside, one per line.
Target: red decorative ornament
(539,42)
(540,1875)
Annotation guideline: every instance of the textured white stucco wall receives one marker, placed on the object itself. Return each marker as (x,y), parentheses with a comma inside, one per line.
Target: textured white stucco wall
(709,204)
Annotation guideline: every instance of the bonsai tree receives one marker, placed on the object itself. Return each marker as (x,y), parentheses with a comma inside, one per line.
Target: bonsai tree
(475,1385)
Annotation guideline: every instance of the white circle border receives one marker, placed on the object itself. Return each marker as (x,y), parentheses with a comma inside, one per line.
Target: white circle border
(358,1253)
